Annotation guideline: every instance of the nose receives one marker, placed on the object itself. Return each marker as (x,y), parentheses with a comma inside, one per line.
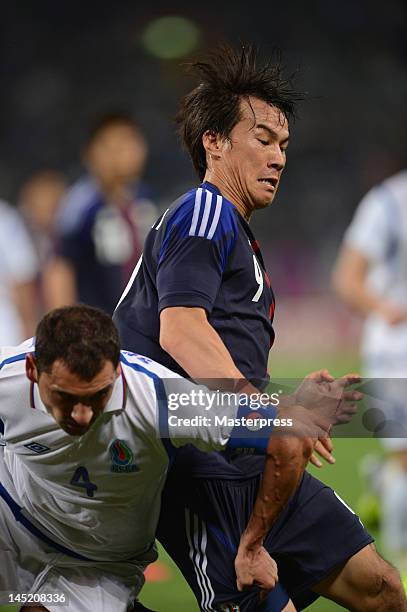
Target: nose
(82,414)
(277,159)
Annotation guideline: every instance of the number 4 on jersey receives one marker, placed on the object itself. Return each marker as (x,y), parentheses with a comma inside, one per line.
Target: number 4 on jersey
(81,479)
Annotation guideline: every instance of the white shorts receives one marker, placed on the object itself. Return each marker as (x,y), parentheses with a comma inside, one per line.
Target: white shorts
(60,583)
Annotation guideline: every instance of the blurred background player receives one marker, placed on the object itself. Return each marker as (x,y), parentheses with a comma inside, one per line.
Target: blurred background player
(18,273)
(371,277)
(103,219)
(39,199)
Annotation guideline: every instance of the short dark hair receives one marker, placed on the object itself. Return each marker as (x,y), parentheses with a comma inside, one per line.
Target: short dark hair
(226,77)
(107,120)
(81,336)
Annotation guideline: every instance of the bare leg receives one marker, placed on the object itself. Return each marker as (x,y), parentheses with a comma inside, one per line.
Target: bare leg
(365,583)
(289,607)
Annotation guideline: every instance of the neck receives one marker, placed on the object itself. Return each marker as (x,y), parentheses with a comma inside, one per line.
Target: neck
(230,192)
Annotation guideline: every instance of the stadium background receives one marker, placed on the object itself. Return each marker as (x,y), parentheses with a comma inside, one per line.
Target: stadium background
(63,63)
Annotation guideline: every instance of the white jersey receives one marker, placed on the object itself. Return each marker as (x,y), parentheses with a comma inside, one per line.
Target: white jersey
(97,495)
(379,231)
(18,264)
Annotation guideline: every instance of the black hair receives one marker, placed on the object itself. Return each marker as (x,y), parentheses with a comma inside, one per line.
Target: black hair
(108,120)
(226,77)
(83,337)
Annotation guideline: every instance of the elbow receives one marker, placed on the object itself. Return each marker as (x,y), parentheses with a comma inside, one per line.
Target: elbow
(170,337)
(167,341)
(342,287)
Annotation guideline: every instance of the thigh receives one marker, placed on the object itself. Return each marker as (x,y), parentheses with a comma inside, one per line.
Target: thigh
(200,526)
(82,589)
(51,578)
(20,556)
(357,580)
(316,533)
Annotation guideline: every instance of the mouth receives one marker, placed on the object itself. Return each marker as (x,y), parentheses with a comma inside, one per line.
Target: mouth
(269,182)
(74,430)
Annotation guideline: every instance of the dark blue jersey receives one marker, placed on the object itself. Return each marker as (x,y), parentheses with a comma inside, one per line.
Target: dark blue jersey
(201,253)
(102,241)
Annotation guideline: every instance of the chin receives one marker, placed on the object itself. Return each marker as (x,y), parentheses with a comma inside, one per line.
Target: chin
(263,203)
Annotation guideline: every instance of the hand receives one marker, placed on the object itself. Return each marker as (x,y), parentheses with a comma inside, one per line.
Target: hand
(324,448)
(392,313)
(320,392)
(255,567)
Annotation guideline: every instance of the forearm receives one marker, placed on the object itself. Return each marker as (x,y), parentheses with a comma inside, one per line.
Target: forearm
(349,281)
(25,299)
(286,460)
(59,285)
(358,297)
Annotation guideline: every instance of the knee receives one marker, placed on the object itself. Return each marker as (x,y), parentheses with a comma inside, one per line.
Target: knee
(386,593)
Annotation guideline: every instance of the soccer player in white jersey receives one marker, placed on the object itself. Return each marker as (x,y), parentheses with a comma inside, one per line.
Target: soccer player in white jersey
(86,441)
(371,276)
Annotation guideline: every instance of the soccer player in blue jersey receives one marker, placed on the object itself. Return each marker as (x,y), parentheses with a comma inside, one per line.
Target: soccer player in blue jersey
(200,302)
(103,219)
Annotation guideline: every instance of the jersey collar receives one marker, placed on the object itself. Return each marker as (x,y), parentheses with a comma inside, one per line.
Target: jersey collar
(211,187)
(117,402)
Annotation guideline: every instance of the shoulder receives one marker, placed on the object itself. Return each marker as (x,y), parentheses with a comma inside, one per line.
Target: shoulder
(10,220)
(12,358)
(386,193)
(397,186)
(141,366)
(77,203)
(377,216)
(203,213)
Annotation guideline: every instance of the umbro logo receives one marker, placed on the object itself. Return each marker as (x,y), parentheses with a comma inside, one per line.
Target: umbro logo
(36,447)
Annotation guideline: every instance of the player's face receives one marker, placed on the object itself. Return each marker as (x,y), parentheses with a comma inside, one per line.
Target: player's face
(117,154)
(255,155)
(74,403)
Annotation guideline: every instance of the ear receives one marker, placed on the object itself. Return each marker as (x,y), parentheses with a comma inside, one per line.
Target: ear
(118,370)
(31,368)
(212,144)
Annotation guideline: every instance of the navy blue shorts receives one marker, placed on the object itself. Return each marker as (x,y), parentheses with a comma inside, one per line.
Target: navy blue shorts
(200,526)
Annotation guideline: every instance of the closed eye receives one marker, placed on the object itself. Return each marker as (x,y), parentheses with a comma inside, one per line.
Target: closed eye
(64,396)
(263,142)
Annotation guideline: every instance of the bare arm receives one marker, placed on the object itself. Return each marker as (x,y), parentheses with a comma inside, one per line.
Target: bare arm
(59,285)
(190,339)
(327,402)
(286,461)
(25,299)
(349,281)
